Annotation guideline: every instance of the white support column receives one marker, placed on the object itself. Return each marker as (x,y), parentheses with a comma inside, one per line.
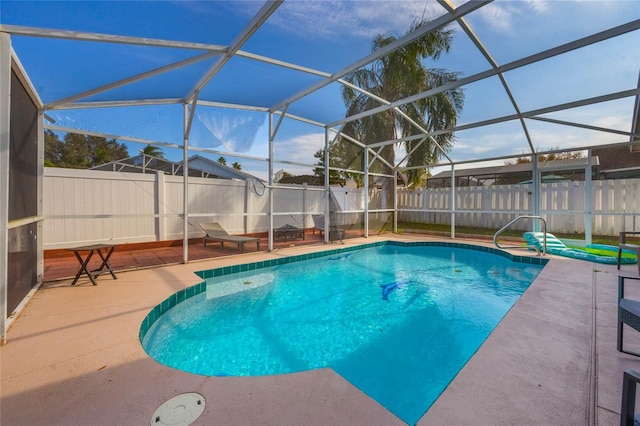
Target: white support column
(271,137)
(326,186)
(247,192)
(185,187)
(588,200)
(40,200)
(395,201)
(453,201)
(366,193)
(536,191)
(5,113)
(304,205)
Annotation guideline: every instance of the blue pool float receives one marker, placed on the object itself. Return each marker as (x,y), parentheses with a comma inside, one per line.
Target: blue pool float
(557,247)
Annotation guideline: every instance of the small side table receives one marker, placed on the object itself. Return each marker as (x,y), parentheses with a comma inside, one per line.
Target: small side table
(91,250)
(288,232)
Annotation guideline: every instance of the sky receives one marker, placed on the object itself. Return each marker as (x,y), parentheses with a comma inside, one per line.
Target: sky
(326,36)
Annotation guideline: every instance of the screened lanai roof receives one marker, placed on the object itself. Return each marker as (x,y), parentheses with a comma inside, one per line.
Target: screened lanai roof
(544,75)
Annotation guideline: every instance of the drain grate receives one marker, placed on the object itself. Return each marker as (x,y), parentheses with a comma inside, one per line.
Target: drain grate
(181,410)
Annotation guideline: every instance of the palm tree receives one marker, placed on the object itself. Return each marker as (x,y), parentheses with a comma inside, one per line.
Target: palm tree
(236,166)
(152,151)
(222,161)
(399,75)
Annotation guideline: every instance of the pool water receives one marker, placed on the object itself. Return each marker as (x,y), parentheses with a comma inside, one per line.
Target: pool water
(397,322)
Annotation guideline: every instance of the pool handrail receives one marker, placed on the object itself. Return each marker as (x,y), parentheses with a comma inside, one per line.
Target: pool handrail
(544,233)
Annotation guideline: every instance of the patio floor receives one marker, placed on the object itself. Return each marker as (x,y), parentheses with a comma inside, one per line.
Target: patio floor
(73,357)
(62,263)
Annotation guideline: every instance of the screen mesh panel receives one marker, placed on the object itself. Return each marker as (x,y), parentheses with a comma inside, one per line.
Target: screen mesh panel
(23,194)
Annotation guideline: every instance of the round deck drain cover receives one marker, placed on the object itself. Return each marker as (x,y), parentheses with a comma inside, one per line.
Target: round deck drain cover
(181,410)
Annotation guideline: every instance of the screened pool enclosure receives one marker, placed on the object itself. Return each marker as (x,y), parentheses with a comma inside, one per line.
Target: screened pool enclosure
(291,88)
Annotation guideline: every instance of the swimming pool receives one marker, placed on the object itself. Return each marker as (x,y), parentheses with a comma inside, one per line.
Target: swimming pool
(397,320)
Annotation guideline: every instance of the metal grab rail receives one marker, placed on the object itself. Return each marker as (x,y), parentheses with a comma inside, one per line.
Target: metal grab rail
(544,233)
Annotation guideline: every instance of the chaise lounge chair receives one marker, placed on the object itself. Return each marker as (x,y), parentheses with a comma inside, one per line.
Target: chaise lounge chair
(624,245)
(335,233)
(630,380)
(628,312)
(215,232)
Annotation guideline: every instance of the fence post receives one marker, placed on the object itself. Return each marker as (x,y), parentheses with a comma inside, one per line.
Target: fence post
(588,189)
(395,202)
(160,230)
(245,222)
(536,184)
(453,201)
(304,205)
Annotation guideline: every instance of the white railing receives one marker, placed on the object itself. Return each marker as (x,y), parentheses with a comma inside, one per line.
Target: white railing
(518,219)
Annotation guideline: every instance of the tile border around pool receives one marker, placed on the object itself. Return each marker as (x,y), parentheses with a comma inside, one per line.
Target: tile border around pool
(194,290)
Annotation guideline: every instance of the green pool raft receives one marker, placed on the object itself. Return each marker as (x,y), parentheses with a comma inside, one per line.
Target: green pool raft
(599,253)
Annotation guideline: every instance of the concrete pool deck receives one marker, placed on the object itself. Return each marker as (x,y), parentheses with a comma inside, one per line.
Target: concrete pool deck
(73,358)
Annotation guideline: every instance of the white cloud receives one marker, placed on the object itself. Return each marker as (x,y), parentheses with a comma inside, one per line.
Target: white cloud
(614,115)
(489,145)
(299,149)
(234,130)
(617,122)
(564,137)
(366,19)
(497,16)
(500,14)
(540,6)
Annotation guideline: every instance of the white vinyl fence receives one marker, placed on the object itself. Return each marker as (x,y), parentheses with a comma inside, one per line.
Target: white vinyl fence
(89,206)
(615,206)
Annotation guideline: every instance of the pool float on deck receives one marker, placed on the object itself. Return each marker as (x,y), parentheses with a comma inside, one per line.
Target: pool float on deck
(593,252)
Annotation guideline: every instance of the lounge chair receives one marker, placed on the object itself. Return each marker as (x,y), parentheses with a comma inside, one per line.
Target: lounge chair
(624,245)
(215,232)
(318,224)
(628,312)
(630,380)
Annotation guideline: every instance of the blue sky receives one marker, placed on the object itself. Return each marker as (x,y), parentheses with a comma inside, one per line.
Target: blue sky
(327,36)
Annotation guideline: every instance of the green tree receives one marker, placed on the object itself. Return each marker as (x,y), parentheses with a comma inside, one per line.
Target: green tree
(75,152)
(103,150)
(222,161)
(52,149)
(342,156)
(399,75)
(81,151)
(153,151)
(237,166)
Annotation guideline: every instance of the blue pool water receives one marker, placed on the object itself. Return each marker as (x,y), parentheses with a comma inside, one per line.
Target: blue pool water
(398,322)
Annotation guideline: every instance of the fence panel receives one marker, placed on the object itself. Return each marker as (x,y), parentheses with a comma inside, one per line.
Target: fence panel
(616,206)
(78,203)
(71,195)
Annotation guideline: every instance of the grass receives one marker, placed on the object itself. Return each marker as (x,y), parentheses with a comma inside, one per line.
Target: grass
(488,233)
